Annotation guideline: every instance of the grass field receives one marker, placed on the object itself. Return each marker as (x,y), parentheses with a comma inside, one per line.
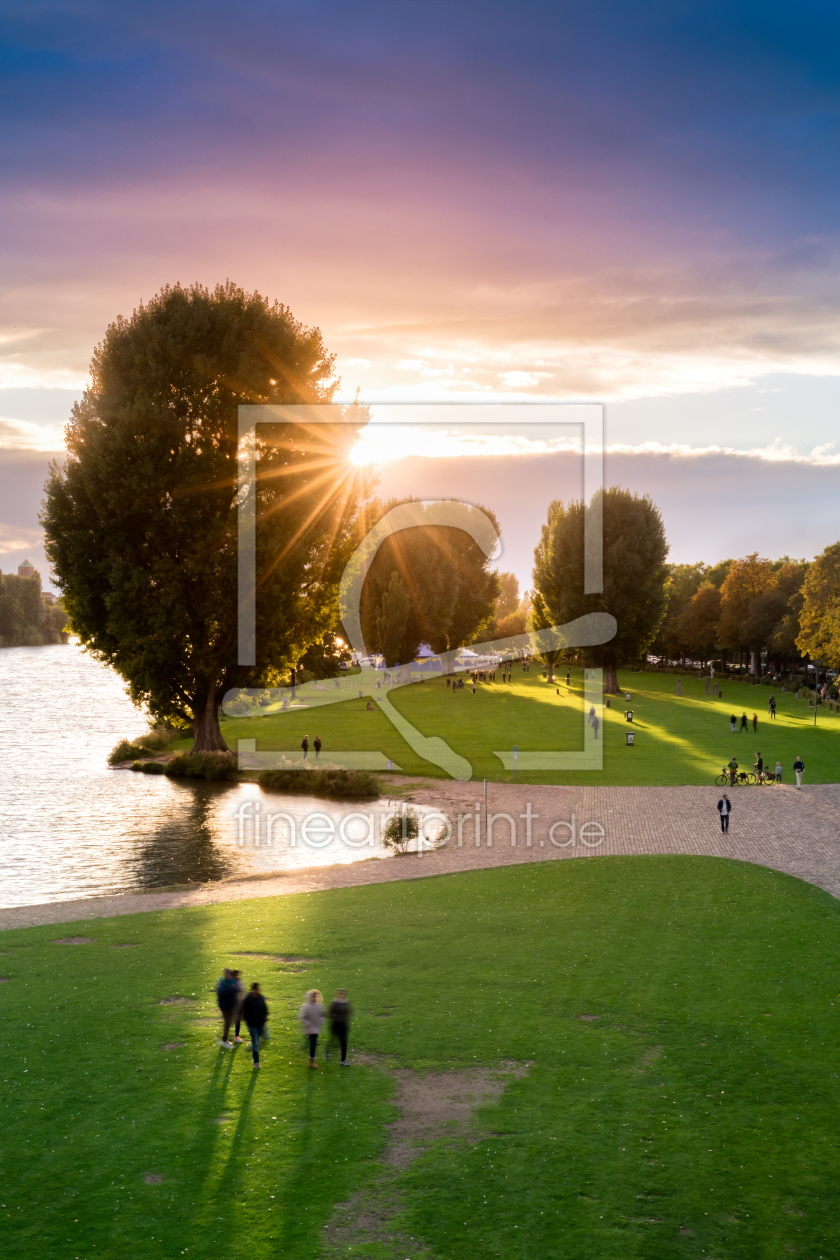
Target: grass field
(678,739)
(697,1115)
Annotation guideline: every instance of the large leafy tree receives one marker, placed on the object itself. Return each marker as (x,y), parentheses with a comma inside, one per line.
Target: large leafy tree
(635,574)
(444,594)
(819,620)
(747,578)
(698,622)
(141,519)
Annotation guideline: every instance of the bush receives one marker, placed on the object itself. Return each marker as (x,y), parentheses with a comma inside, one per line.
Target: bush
(125,751)
(400,830)
(145,746)
(342,783)
(149,767)
(207,765)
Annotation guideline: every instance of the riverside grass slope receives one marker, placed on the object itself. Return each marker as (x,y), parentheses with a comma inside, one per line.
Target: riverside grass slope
(679,740)
(694,1113)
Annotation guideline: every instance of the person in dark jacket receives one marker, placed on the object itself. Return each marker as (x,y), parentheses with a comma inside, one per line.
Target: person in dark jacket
(255,1014)
(304,743)
(340,1013)
(724,809)
(227,996)
(317,746)
(799,768)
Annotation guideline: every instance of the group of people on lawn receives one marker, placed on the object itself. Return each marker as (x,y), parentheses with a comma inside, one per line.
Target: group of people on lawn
(237,1006)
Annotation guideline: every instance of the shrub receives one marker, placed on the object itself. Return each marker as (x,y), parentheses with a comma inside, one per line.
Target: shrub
(144,746)
(400,830)
(125,751)
(206,765)
(149,767)
(341,783)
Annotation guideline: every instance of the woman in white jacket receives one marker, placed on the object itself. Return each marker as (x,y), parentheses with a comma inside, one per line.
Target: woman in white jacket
(312,1016)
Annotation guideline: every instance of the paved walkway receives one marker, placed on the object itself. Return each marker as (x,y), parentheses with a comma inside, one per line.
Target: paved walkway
(778,826)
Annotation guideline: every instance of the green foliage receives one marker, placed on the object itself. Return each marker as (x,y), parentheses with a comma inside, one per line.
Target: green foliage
(344,784)
(695,1115)
(145,746)
(634,573)
(149,767)
(141,519)
(400,830)
(508,598)
(126,750)
(203,765)
(428,584)
(26,618)
(819,637)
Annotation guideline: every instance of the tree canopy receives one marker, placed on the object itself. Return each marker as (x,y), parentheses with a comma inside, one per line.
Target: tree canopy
(635,574)
(427,584)
(819,635)
(141,517)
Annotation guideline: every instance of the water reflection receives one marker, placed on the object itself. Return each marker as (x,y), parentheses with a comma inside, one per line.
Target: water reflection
(71,826)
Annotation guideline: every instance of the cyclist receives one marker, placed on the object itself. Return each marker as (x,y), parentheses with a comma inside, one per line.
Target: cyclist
(733,771)
(758,765)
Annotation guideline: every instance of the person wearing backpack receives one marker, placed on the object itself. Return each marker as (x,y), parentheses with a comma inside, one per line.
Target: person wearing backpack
(799,768)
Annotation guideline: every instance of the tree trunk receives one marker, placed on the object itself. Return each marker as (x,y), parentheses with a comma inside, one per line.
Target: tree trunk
(207,734)
(405,674)
(610,678)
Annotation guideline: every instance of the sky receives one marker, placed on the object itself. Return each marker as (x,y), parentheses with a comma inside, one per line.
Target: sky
(532,202)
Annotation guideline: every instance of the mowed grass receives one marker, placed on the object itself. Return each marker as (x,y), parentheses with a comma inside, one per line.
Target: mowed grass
(678,739)
(697,1114)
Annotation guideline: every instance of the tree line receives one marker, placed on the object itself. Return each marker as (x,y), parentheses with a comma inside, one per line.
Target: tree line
(141,527)
(27,619)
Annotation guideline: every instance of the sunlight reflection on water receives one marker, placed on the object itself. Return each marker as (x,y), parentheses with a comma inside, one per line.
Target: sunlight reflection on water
(71,826)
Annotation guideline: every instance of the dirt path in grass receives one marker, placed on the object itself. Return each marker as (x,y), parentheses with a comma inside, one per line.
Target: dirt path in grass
(780,827)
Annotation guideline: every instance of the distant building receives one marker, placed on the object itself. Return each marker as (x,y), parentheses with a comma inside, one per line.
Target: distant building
(26,569)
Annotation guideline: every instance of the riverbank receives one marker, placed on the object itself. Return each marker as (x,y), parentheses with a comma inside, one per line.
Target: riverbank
(777,827)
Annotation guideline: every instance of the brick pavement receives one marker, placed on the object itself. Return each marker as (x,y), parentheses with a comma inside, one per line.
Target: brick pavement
(780,827)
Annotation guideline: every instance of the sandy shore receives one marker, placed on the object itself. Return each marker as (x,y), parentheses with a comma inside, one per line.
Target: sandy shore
(780,827)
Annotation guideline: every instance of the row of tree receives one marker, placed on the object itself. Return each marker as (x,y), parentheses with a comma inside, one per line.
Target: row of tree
(27,619)
(142,530)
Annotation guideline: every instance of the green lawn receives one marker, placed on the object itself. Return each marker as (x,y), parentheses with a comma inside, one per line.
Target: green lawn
(678,739)
(696,1116)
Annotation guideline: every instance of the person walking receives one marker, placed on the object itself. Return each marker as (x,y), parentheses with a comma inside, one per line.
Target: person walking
(227,999)
(755,723)
(238,983)
(312,1016)
(596,722)
(799,769)
(591,718)
(771,705)
(724,809)
(304,743)
(744,722)
(255,1014)
(317,746)
(340,1013)
(733,723)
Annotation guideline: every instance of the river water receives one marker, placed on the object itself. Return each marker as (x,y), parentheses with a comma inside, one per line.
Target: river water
(72,826)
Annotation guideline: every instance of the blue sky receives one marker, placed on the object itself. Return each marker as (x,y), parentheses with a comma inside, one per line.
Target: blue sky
(630,204)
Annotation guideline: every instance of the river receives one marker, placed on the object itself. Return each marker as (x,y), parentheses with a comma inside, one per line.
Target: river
(72,826)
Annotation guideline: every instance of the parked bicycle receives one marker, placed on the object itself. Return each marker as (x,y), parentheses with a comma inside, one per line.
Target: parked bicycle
(742,778)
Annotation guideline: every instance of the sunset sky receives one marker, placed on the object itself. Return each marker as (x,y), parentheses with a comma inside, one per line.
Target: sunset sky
(637,205)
